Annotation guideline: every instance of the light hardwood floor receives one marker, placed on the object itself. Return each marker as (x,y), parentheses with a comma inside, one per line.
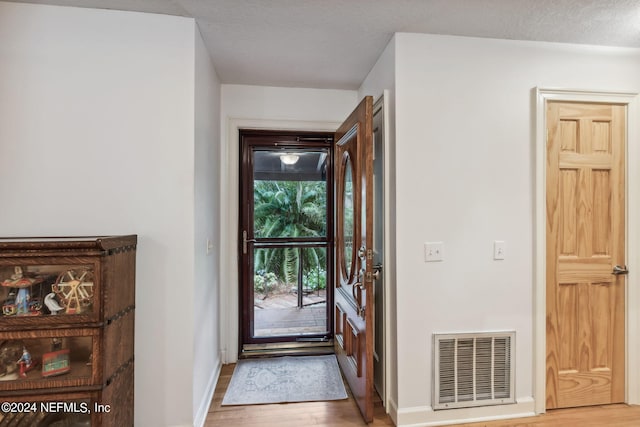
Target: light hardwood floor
(344,413)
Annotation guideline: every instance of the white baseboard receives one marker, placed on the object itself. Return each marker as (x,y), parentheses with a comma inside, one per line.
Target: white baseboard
(425,416)
(392,410)
(203,409)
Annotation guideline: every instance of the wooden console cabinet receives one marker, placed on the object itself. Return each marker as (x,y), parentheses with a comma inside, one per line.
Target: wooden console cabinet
(67,331)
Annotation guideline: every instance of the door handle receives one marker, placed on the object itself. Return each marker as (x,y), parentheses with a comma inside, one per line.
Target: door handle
(617,270)
(356,291)
(377,269)
(245,241)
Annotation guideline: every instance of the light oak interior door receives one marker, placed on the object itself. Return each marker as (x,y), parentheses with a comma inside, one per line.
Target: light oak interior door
(353,287)
(585,254)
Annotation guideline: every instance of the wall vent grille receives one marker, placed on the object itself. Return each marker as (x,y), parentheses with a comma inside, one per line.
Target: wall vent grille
(474,369)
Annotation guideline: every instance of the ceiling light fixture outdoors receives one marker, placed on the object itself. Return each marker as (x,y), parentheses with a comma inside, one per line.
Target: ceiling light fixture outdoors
(289,159)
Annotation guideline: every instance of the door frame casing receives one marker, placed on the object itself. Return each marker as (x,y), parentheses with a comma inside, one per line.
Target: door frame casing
(381,104)
(251,141)
(632,241)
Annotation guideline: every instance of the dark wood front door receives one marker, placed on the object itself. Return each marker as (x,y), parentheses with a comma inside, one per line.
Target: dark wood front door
(353,286)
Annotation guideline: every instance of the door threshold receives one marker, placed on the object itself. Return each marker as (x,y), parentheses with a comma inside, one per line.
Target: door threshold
(286,349)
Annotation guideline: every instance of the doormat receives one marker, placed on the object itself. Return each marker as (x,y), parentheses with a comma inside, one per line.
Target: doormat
(285,379)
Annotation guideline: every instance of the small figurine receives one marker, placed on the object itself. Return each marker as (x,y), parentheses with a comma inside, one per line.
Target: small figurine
(52,304)
(9,306)
(22,301)
(25,362)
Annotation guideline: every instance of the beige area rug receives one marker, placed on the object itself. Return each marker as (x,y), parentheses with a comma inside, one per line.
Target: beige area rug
(285,379)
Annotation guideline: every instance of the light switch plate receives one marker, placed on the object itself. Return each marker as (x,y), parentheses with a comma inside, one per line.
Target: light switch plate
(433,251)
(499,249)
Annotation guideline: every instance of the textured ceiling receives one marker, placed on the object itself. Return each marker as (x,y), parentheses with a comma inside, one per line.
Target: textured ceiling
(334,43)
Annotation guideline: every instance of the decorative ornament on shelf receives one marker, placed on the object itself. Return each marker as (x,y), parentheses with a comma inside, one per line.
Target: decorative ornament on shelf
(52,304)
(56,363)
(20,302)
(75,290)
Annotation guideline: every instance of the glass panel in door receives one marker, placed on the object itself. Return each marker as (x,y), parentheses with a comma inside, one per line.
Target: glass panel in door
(290,289)
(289,243)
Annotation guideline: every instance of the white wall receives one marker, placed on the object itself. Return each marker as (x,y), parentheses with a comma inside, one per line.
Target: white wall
(286,104)
(206,293)
(97,137)
(465,116)
(263,108)
(382,77)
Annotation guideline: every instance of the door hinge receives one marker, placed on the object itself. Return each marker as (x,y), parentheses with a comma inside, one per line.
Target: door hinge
(369,253)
